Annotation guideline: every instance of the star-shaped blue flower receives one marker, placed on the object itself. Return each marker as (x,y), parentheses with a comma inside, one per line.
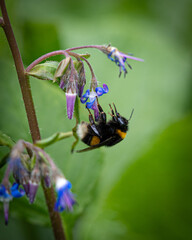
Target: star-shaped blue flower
(92,96)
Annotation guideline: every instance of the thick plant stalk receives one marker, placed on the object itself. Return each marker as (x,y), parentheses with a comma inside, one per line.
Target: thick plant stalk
(31,115)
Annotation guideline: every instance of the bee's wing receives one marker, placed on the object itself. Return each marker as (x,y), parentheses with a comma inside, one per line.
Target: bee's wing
(95,146)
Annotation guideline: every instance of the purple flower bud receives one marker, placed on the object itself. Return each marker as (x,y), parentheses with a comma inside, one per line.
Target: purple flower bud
(32,191)
(62,84)
(34,183)
(81,81)
(80,90)
(70,98)
(20,173)
(6,212)
(47,181)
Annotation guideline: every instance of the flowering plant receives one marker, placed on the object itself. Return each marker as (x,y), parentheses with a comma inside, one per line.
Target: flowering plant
(27,164)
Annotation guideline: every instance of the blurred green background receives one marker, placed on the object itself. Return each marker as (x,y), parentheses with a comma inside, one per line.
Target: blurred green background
(141,188)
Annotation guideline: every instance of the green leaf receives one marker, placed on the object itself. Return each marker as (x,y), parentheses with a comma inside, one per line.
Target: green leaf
(62,68)
(152,197)
(86,55)
(5,140)
(44,71)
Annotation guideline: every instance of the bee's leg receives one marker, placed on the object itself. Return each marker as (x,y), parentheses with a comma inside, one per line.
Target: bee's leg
(92,123)
(103,117)
(91,119)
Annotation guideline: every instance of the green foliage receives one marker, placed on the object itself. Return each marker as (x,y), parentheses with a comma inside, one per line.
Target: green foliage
(155,190)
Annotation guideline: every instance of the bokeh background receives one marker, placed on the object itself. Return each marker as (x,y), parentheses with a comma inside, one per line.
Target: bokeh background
(141,188)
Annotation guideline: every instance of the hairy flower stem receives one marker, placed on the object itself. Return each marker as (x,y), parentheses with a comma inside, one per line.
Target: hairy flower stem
(59,52)
(42,58)
(32,120)
(1,22)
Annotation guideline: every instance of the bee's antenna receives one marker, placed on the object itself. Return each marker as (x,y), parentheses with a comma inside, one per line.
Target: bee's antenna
(131,115)
(117,114)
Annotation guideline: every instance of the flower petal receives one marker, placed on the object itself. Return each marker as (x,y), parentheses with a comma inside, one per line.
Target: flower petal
(90,104)
(16,192)
(105,88)
(99,91)
(4,195)
(85,97)
(70,98)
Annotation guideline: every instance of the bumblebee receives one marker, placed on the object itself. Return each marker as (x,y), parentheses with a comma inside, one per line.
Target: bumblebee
(103,133)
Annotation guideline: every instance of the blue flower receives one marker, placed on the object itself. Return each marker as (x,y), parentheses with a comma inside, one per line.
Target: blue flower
(65,199)
(17,192)
(92,96)
(120,59)
(5,197)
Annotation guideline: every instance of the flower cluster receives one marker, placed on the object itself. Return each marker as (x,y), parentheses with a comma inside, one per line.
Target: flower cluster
(75,86)
(71,77)
(28,171)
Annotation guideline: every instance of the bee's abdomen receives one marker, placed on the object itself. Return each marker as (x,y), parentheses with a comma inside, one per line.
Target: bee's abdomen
(86,135)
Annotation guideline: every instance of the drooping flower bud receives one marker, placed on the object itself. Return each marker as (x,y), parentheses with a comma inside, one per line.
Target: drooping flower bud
(34,183)
(71,95)
(21,174)
(81,80)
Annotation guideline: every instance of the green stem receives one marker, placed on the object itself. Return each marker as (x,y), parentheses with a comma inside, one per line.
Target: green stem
(31,115)
(52,139)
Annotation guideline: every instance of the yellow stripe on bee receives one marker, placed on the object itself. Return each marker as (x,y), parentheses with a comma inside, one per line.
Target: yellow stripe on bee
(120,133)
(95,140)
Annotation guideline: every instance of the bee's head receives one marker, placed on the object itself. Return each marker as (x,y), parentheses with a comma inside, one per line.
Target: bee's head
(122,122)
